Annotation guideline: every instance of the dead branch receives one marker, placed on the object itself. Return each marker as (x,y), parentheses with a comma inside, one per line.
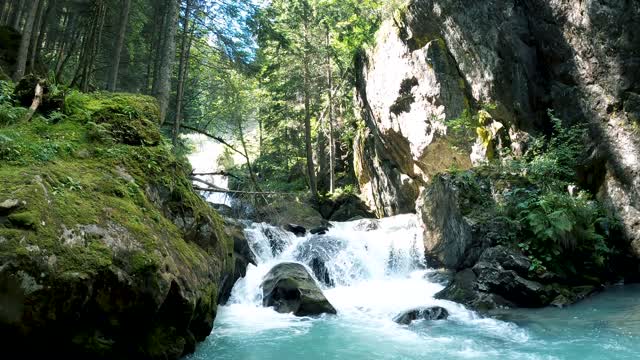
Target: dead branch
(226,191)
(37,100)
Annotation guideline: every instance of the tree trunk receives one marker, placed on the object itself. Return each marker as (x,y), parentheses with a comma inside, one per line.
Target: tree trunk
(70,39)
(5,5)
(151,83)
(307,110)
(94,41)
(168,54)
(35,35)
(332,143)
(16,14)
(43,36)
(252,174)
(124,21)
(185,49)
(21,63)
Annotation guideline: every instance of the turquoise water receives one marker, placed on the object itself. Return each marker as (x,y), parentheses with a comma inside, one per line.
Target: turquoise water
(606,326)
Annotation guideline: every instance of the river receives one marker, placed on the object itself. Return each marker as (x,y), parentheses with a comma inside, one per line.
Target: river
(376,273)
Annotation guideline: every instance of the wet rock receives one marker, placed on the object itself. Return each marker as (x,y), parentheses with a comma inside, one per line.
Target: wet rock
(463,289)
(561,301)
(492,278)
(425,313)
(277,240)
(242,255)
(499,279)
(509,259)
(344,208)
(453,238)
(223,210)
(440,276)
(321,272)
(367,225)
(297,230)
(316,252)
(289,288)
(321,230)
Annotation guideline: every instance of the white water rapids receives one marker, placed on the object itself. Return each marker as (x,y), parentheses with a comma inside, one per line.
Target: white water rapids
(377,268)
(373,273)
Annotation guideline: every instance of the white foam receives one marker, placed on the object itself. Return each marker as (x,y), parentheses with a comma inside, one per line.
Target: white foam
(371,287)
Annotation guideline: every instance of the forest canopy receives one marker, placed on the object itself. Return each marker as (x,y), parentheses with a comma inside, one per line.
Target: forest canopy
(272,80)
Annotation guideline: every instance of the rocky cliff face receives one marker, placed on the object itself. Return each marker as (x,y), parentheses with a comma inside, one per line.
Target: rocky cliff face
(105,249)
(440,58)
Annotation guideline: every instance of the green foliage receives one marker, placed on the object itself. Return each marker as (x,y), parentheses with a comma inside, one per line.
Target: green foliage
(535,204)
(559,230)
(560,227)
(6,90)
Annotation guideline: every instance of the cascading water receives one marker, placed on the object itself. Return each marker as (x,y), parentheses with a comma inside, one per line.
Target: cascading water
(371,270)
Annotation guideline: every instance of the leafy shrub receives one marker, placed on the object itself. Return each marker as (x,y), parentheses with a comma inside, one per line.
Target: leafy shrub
(535,199)
(9,150)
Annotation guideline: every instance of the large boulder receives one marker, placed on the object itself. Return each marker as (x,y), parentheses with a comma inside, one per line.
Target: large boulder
(457,215)
(105,251)
(502,278)
(439,58)
(424,313)
(289,288)
(344,207)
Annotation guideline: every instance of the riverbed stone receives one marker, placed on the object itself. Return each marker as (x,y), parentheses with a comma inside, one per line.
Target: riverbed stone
(289,288)
(422,313)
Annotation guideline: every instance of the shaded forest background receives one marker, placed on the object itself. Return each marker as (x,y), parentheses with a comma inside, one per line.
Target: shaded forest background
(273,81)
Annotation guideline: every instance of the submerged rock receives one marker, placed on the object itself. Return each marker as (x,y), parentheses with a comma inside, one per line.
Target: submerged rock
(321,230)
(297,230)
(321,272)
(289,288)
(425,313)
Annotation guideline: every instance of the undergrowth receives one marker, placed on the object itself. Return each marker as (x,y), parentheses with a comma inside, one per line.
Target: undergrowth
(542,211)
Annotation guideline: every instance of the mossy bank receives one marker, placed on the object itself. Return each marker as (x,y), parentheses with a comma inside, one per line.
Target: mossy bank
(105,249)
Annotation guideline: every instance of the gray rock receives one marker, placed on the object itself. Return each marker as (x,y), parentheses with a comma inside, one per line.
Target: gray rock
(425,313)
(440,276)
(499,279)
(580,59)
(242,255)
(509,259)
(452,239)
(492,278)
(321,230)
(9,205)
(289,288)
(297,230)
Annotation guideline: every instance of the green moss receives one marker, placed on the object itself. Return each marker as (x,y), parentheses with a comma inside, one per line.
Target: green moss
(25,220)
(68,181)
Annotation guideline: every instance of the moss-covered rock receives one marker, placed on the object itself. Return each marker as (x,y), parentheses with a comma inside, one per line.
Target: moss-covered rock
(105,249)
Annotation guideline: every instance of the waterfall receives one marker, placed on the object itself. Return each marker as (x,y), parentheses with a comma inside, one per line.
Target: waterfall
(370,270)
(204,160)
